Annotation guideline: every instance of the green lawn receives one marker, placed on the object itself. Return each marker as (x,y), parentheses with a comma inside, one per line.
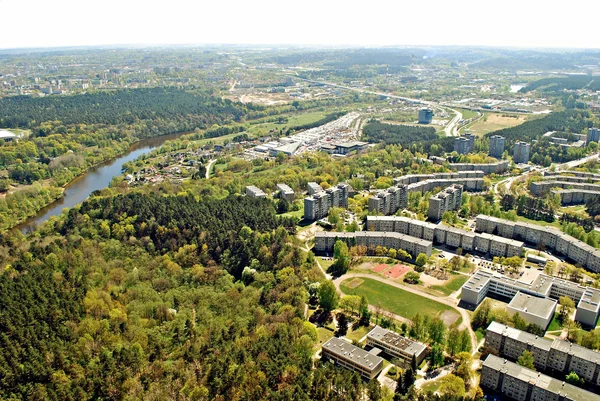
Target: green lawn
(479,334)
(293,120)
(357,334)
(431,386)
(466,113)
(297,213)
(325,263)
(394,299)
(455,282)
(555,324)
(324,334)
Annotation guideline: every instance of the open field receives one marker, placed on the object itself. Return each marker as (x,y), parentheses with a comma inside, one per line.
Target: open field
(394,299)
(293,120)
(357,334)
(325,263)
(494,121)
(324,335)
(467,113)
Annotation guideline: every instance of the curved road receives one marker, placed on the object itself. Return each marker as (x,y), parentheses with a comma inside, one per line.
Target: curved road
(209,166)
(466,319)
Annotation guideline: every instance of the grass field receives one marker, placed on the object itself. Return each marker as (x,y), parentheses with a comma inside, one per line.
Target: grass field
(293,120)
(324,335)
(453,284)
(297,213)
(493,122)
(394,299)
(431,386)
(325,263)
(466,113)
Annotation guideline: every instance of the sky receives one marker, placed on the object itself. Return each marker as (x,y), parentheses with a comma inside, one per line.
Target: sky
(505,23)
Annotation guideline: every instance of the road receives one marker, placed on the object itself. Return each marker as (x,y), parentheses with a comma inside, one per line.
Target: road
(575,163)
(209,166)
(466,319)
(451,129)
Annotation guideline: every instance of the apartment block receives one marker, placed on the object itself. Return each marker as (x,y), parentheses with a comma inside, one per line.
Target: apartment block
(521,152)
(577,251)
(496,146)
(395,345)
(521,384)
(255,192)
(487,168)
(593,135)
(450,236)
(389,201)
(324,241)
(314,188)
(549,355)
(285,192)
(316,206)
(353,358)
(447,200)
(464,144)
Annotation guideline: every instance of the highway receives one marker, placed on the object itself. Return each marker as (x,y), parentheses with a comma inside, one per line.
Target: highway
(451,129)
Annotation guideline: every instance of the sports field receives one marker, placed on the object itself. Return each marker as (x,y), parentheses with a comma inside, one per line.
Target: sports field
(394,299)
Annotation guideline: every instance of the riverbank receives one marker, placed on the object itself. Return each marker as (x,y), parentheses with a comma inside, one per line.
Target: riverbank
(94,178)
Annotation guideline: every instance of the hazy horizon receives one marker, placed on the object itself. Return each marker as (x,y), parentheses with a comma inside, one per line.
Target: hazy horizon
(515,24)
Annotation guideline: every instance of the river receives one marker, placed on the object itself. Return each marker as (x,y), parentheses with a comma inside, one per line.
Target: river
(94,179)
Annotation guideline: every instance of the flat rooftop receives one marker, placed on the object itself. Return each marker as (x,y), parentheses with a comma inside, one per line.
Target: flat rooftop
(539,380)
(533,305)
(395,340)
(375,234)
(520,336)
(348,351)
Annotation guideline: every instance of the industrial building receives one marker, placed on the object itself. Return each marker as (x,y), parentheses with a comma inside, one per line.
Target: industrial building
(578,251)
(396,346)
(446,200)
(593,135)
(324,241)
(450,236)
(390,200)
(548,355)
(317,206)
(255,192)
(425,115)
(521,384)
(521,152)
(353,358)
(285,192)
(348,147)
(496,146)
(485,282)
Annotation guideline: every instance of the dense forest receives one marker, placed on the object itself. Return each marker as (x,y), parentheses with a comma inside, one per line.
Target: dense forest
(120,107)
(574,121)
(394,134)
(558,84)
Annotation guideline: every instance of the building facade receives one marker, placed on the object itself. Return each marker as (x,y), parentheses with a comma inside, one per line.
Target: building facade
(324,241)
(317,205)
(521,152)
(464,144)
(496,146)
(548,355)
(521,384)
(389,201)
(593,135)
(285,192)
(447,200)
(425,115)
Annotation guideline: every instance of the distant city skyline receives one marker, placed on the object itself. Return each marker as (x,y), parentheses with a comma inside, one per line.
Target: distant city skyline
(513,23)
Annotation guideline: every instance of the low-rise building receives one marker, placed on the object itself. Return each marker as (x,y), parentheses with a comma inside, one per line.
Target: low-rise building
(534,310)
(521,384)
(396,346)
(353,358)
(485,282)
(255,192)
(285,192)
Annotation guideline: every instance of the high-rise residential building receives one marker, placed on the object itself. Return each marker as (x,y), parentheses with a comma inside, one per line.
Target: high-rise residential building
(593,135)
(521,152)
(389,201)
(496,146)
(425,115)
(316,206)
(446,200)
(464,144)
